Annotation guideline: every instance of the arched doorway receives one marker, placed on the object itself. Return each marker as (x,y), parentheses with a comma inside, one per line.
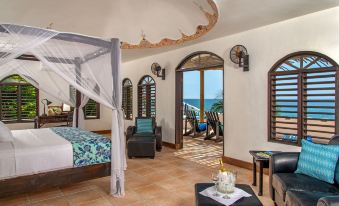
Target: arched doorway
(201,61)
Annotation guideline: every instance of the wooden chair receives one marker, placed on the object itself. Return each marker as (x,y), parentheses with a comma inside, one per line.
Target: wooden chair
(213,121)
(197,127)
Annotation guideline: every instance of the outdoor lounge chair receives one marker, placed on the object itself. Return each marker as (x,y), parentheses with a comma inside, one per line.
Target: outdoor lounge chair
(143,138)
(197,127)
(217,127)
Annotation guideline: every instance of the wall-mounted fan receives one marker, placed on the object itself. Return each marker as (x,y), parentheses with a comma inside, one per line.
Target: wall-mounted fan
(156,69)
(239,55)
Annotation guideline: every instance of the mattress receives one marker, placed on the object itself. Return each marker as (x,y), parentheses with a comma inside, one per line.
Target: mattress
(36,151)
(7,160)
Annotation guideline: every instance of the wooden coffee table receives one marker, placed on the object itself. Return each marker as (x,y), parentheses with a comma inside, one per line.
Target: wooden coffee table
(201,200)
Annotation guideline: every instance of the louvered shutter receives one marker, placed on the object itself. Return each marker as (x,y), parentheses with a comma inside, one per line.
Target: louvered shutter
(319,106)
(9,103)
(147,97)
(127,98)
(91,110)
(28,103)
(284,106)
(302,99)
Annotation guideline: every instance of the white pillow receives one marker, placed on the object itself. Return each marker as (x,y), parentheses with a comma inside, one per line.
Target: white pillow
(5,133)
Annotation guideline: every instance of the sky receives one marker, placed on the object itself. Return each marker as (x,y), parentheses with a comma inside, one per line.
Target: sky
(213,84)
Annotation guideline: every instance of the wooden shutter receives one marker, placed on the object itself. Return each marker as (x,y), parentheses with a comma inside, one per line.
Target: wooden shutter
(92,110)
(28,103)
(319,104)
(284,105)
(146,97)
(152,101)
(127,98)
(9,103)
(302,98)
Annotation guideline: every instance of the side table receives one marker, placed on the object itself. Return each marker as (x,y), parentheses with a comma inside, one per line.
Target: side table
(263,163)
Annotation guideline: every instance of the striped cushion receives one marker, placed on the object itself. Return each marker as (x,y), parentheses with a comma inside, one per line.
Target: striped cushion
(144,126)
(318,161)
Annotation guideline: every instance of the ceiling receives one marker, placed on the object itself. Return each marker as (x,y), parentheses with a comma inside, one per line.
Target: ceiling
(157,19)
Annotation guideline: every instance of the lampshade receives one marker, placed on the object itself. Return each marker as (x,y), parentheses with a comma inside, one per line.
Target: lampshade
(66,107)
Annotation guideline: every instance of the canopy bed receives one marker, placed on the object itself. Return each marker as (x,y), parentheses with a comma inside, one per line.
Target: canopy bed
(90,65)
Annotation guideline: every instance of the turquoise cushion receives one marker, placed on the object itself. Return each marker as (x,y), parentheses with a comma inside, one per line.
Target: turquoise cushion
(318,161)
(144,126)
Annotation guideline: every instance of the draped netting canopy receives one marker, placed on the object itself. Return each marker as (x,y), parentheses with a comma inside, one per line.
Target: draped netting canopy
(90,65)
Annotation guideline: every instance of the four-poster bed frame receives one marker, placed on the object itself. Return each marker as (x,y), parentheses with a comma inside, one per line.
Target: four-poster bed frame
(41,181)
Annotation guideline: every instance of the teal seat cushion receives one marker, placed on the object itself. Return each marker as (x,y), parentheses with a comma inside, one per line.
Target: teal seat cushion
(318,161)
(144,126)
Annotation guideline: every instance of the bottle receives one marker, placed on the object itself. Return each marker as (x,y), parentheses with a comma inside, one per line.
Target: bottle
(222,168)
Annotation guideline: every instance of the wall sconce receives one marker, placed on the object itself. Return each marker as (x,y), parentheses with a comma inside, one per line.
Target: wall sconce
(156,70)
(239,55)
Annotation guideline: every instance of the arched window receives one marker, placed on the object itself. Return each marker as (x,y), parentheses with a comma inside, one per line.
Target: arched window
(127,98)
(18,100)
(91,109)
(146,97)
(302,98)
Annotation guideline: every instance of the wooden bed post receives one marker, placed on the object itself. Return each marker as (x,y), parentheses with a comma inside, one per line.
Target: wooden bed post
(77,64)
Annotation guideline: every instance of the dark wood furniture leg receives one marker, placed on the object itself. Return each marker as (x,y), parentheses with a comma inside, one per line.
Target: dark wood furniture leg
(260,178)
(254,173)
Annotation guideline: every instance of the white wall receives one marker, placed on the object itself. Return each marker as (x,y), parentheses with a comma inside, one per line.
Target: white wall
(245,92)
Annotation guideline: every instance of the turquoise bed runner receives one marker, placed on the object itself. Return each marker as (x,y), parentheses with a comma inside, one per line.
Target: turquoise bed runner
(88,148)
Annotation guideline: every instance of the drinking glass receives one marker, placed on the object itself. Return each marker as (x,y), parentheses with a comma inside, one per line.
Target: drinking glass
(215,181)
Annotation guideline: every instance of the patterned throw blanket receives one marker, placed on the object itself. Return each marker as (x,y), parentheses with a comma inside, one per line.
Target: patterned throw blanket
(88,148)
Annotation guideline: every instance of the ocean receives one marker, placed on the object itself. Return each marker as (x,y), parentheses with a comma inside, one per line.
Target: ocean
(196,103)
(312,111)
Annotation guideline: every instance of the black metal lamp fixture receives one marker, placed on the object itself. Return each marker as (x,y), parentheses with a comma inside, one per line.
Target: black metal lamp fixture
(239,55)
(156,70)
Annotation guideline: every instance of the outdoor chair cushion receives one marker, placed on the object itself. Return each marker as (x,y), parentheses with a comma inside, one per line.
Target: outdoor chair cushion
(202,126)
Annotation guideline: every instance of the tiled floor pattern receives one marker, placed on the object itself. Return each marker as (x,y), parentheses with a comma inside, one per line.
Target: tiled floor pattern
(167,180)
(198,150)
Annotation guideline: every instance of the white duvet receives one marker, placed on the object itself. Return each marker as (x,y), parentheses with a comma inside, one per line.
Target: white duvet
(34,151)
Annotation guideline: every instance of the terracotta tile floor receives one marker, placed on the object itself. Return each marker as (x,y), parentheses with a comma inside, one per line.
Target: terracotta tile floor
(167,180)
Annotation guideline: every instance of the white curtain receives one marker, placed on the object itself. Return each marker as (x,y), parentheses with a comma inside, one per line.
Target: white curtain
(81,115)
(89,64)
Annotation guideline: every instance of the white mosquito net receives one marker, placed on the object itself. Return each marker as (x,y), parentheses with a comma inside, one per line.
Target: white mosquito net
(91,65)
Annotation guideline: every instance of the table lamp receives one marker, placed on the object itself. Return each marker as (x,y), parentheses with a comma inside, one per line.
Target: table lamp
(45,102)
(66,107)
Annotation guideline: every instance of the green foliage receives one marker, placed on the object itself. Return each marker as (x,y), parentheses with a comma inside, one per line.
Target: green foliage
(15,90)
(90,109)
(219,105)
